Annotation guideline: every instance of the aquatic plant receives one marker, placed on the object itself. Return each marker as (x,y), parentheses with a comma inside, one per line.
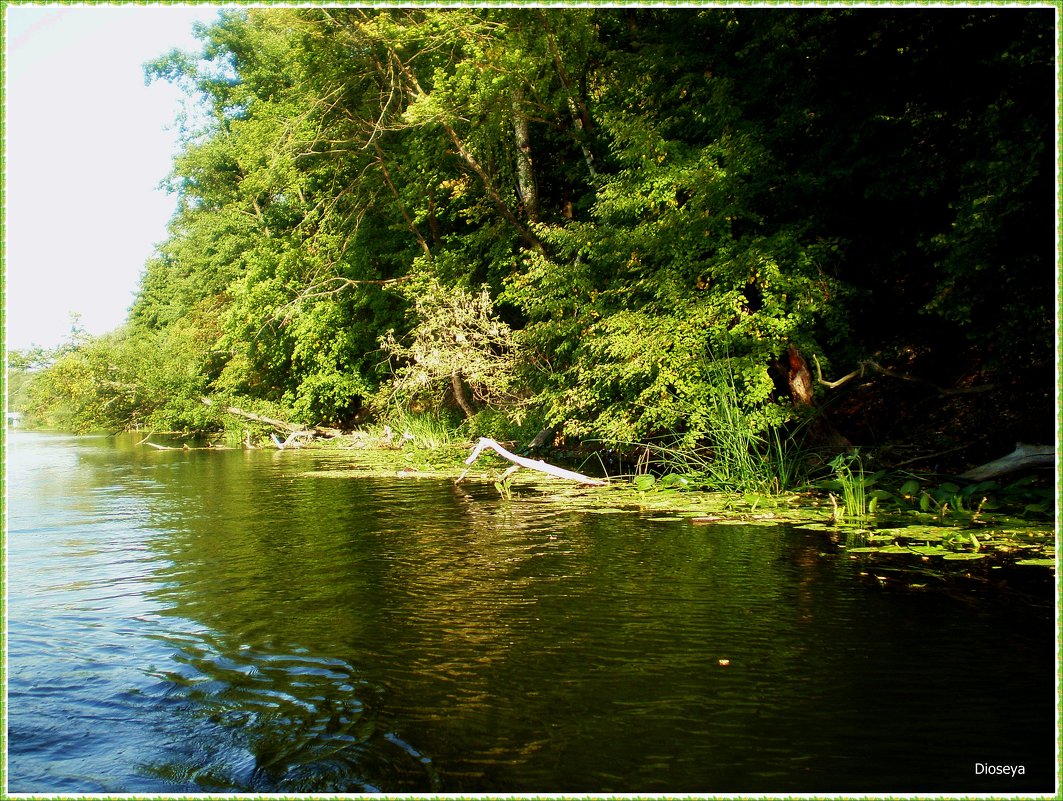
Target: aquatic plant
(741,451)
(505,488)
(426,430)
(853,484)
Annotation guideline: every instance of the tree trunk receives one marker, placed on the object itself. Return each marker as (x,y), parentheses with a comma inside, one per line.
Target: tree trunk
(529,193)
(413,90)
(458,387)
(799,379)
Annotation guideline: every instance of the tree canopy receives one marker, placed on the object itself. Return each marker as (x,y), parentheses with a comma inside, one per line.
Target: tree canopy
(599,219)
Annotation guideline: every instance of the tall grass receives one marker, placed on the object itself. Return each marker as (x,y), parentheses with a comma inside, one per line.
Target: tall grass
(426,430)
(735,456)
(852,483)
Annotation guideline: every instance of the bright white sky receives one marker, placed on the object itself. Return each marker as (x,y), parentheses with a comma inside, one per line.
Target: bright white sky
(87,145)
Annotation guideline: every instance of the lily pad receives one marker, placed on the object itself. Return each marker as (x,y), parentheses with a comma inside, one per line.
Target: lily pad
(1038,562)
(357,472)
(928,550)
(922,533)
(963,556)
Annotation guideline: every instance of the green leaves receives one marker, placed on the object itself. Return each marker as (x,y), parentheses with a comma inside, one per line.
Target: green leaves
(647,208)
(458,340)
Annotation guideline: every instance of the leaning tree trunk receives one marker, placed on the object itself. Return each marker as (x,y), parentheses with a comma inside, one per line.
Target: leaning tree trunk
(581,117)
(458,387)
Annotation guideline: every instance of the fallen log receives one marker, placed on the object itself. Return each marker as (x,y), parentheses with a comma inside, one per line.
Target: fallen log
(1024,457)
(258,418)
(284,425)
(531,464)
(185,447)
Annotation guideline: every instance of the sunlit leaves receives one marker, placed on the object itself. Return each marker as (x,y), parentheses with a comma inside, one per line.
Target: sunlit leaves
(651,206)
(457,337)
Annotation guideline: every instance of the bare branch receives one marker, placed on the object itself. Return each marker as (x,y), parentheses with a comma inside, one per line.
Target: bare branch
(531,464)
(868,364)
(398,200)
(840,381)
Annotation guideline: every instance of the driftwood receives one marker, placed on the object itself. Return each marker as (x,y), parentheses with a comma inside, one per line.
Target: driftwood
(531,464)
(158,447)
(1024,457)
(182,448)
(292,440)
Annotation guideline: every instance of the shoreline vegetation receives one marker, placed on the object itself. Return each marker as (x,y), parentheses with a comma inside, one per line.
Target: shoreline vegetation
(796,262)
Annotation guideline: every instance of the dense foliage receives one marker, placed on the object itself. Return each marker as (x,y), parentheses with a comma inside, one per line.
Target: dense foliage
(604,221)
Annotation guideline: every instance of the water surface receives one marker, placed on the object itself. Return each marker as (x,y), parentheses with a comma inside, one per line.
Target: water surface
(193,621)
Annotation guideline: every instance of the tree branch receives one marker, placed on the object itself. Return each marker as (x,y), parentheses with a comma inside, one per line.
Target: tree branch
(398,200)
(531,464)
(878,368)
(415,91)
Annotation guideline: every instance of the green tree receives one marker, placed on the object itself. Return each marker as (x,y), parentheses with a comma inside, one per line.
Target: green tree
(661,205)
(458,342)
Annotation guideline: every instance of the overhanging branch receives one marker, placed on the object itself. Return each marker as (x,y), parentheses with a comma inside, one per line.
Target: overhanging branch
(868,364)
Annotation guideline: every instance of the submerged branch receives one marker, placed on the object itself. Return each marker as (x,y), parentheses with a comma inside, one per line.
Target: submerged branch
(284,425)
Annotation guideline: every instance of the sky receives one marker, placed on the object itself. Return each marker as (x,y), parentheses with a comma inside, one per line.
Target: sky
(87,144)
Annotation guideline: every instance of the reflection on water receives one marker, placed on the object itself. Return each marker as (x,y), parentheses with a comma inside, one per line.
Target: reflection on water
(242,621)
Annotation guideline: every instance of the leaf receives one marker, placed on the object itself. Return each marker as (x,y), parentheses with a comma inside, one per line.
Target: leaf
(873,478)
(644,482)
(909,488)
(675,481)
(1037,562)
(963,556)
(976,489)
(928,550)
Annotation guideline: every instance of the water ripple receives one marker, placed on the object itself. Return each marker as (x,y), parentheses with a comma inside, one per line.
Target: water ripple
(281,722)
(236,622)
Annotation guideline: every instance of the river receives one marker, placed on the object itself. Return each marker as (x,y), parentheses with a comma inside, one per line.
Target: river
(271,622)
